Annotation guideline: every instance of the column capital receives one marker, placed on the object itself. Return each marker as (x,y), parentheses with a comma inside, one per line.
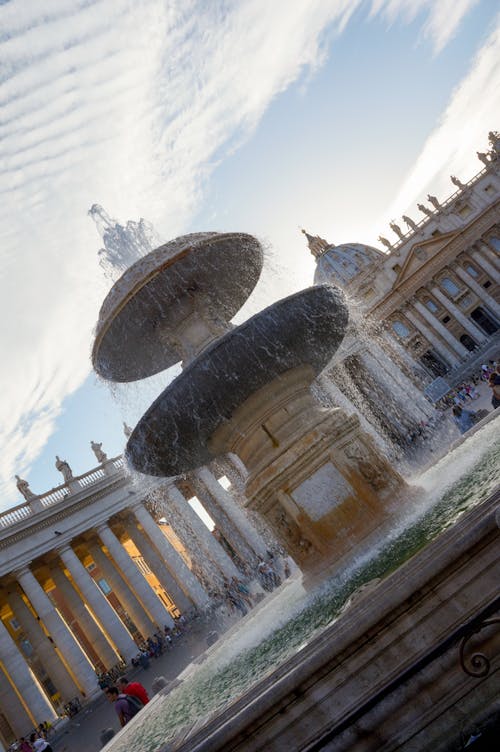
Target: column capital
(64,548)
(24,570)
(135,505)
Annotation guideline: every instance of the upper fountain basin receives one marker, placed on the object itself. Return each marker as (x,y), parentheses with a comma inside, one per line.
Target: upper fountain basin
(204,275)
(306,328)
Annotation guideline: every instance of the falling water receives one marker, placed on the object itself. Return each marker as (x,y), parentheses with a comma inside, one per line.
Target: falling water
(287,621)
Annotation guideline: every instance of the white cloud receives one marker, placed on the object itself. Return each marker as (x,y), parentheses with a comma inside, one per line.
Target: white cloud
(442,18)
(473,110)
(130,105)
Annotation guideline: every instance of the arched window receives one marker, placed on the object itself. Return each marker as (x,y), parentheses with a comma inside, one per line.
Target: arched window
(449,285)
(472,270)
(400,329)
(431,306)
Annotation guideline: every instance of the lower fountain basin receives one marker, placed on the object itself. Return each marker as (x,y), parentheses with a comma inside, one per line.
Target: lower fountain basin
(305,328)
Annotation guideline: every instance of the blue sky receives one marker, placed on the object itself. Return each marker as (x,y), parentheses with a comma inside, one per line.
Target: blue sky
(333,115)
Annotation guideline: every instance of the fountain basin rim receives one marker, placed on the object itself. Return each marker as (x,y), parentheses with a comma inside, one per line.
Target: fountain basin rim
(305,328)
(156,263)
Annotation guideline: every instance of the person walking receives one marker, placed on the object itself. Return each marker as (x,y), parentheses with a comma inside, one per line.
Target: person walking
(494,384)
(126,706)
(464,419)
(24,745)
(136,689)
(39,744)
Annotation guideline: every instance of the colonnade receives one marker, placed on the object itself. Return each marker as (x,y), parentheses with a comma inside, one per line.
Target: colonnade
(83,606)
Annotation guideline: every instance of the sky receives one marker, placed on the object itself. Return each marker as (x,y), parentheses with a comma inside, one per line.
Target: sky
(333,115)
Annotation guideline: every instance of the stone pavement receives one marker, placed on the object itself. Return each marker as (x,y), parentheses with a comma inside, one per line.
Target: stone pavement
(82,732)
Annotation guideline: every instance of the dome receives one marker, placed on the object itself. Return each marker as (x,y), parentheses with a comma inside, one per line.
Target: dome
(341,264)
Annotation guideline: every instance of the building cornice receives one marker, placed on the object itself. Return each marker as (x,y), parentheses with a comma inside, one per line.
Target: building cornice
(400,293)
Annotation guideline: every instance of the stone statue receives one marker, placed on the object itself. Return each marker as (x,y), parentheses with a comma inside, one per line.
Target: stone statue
(483,157)
(411,224)
(65,469)
(457,182)
(425,210)
(433,200)
(97,449)
(384,241)
(24,488)
(397,229)
(127,430)
(494,139)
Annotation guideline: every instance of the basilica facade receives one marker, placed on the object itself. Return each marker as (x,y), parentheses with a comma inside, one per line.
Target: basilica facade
(430,301)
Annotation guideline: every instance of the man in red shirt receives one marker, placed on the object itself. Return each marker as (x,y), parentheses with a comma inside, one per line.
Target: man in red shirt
(133,688)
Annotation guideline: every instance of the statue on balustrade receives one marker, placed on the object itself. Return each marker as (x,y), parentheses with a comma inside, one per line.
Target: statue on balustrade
(97,449)
(65,469)
(483,157)
(397,229)
(24,488)
(457,182)
(127,430)
(425,210)
(384,241)
(433,200)
(494,139)
(411,224)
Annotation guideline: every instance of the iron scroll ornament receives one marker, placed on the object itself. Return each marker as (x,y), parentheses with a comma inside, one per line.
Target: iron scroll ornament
(477,665)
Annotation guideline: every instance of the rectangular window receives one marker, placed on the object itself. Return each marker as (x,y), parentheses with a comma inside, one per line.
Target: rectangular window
(104,586)
(487,284)
(445,319)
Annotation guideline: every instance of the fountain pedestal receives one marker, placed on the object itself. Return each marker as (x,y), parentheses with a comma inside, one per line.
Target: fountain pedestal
(318,480)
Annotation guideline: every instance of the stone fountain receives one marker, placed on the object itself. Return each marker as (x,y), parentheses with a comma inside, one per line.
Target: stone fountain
(317,479)
(396,669)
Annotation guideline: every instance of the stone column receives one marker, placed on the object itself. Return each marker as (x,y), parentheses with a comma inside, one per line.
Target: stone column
(157,565)
(43,647)
(68,648)
(150,601)
(122,590)
(103,611)
(36,704)
(467,324)
(452,343)
(223,522)
(481,293)
(103,650)
(174,561)
(207,482)
(207,542)
(400,352)
(14,709)
(484,263)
